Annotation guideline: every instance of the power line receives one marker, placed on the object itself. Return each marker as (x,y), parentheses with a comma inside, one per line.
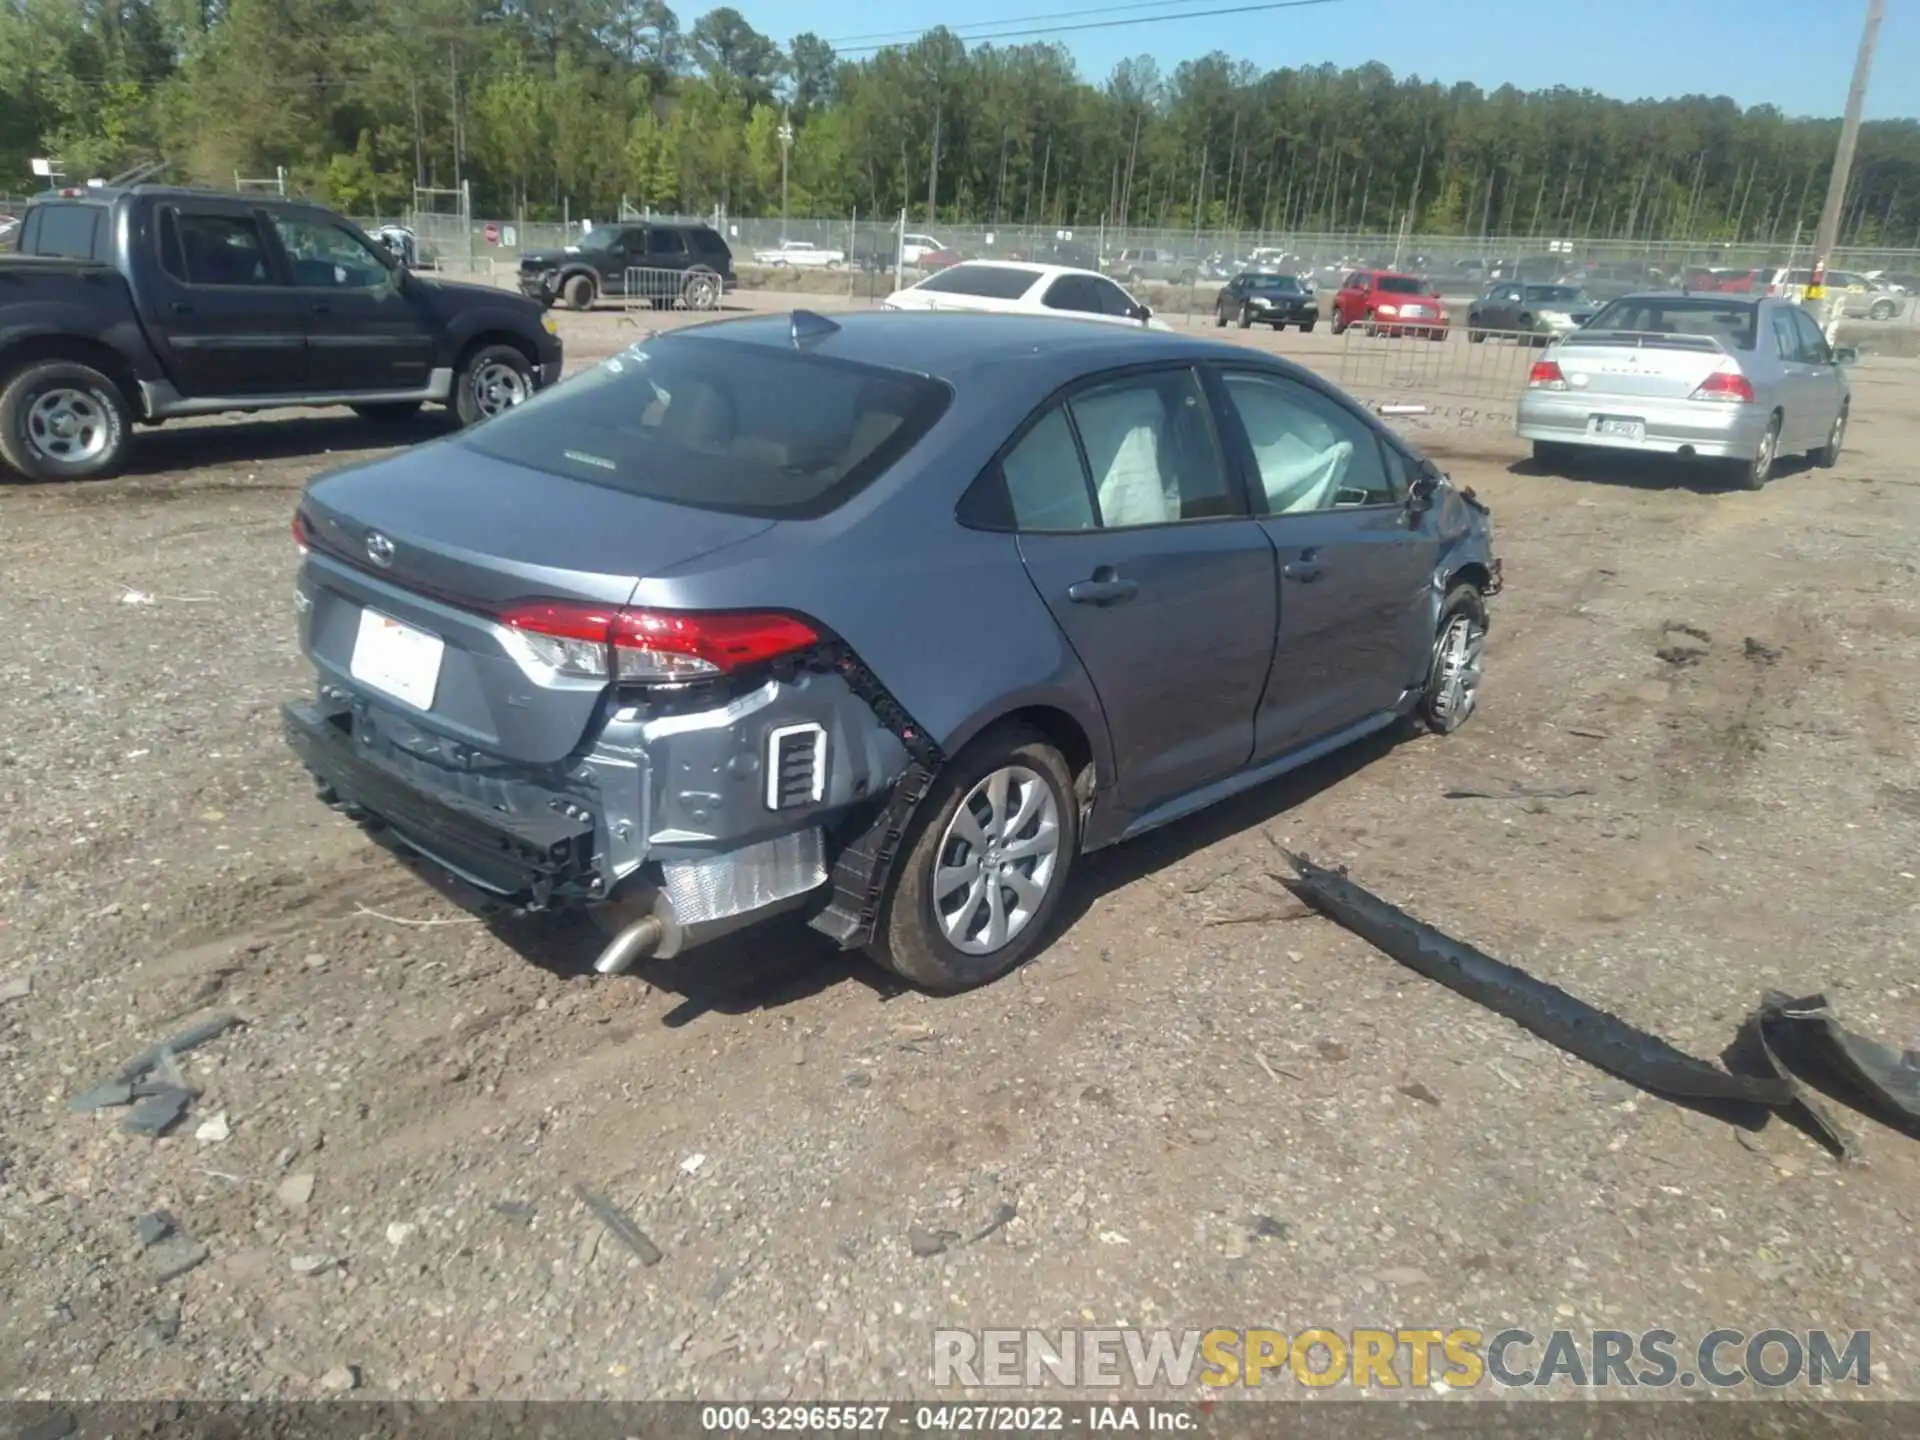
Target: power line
(1109,24)
(960,30)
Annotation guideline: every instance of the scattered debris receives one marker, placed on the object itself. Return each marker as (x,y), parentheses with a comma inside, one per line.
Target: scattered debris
(153,1227)
(619,1226)
(191,1038)
(371,913)
(341,1377)
(1113,1237)
(1265,1227)
(158,1113)
(1692,632)
(1587,734)
(1513,792)
(1414,1090)
(296,1190)
(17,989)
(691,1165)
(400,1232)
(311,1264)
(1331,1051)
(175,1255)
(1761,651)
(1883,1081)
(103,1096)
(164,1325)
(1274,1072)
(1751,1051)
(135,597)
(1264,918)
(213,1129)
(518,1210)
(1546,1010)
(928,1243)
(1003,1216)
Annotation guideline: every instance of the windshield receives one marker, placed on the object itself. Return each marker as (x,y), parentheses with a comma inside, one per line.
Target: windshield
(597,239)
(1403,285)
(1286,284)
(1555,294)
(721,425)
(1680,315)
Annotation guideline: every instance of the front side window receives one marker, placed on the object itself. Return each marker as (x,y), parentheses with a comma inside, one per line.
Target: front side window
(1310,453)
(1109,297)
(325,256)
(1813,345)
(720,425)
(1070,292)
(216,248)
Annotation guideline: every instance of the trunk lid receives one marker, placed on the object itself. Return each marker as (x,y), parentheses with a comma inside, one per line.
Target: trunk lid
(465,535)
(1617,362)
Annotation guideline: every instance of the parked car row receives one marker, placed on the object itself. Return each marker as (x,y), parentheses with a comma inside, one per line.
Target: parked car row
(138,305)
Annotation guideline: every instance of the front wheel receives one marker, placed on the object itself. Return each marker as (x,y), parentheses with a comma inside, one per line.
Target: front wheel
(1453,677)
(1340,324)
(490,381)
(984,872)
(1476,337)
(1245,321)
(61,420)
(579,292)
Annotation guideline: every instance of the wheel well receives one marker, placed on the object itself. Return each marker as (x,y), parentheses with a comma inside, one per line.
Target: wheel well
(1472,573)
(1063,732)
(496,337)
(104,358)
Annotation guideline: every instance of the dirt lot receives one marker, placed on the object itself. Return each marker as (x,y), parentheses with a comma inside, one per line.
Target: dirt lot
(1203,1111)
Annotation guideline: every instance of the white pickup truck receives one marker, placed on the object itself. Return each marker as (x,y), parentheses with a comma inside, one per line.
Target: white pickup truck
(801,254)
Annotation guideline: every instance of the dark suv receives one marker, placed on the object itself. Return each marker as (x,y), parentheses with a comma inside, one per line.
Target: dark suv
(667,262)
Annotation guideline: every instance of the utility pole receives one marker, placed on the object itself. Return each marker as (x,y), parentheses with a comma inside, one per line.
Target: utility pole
(1828,235)
(786,144)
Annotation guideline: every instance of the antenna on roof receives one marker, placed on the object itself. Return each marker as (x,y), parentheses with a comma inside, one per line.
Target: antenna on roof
(811,329)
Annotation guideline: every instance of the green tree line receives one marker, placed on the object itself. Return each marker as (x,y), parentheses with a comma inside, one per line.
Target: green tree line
(540,103)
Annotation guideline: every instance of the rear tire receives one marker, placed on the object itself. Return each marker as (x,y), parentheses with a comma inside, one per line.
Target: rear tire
(915,937)
(1828,455)
(61,420)
(1753,474)
(388,412)
(492,379)
(1459,647)
(1882,310)
(579,292)
(701,290)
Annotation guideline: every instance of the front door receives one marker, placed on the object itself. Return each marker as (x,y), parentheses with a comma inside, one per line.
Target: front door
(223,318)
(1135,533)
(365,330)
(1826,387)
(1355,563)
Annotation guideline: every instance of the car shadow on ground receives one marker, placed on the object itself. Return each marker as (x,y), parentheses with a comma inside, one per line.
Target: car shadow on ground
(782,961)
(1654,472)
(260,441)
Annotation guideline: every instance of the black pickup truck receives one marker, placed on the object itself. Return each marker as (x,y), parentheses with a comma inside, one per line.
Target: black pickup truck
(142,304)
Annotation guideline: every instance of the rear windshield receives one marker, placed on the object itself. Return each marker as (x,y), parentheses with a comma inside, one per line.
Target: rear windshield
(72,232)
(1681,315)
(719,425)
(1403,285)
(994,282)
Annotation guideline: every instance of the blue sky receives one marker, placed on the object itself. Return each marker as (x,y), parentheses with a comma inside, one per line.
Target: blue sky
(1796,54)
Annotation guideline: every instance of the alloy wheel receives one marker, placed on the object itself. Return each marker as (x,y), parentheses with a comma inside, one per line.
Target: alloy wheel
(997,860)
(498,387)
(1458,658)
(67,426)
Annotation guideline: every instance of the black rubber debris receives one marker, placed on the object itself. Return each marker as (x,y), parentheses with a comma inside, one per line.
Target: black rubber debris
(1752,1052)
(1874,1078)
(191,1038)
(619,1226)
(158,1113)
(153,1227)
(106,1094)
(1548,1011)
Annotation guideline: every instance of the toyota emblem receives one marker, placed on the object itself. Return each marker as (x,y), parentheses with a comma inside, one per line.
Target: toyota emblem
(379,549)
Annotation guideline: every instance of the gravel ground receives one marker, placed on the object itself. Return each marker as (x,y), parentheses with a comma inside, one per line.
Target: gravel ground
(1201,1109)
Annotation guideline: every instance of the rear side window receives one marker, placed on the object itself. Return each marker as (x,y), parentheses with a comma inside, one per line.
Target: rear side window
(706,242)
(666,242)
(991,282)
(72,232)
(738,428)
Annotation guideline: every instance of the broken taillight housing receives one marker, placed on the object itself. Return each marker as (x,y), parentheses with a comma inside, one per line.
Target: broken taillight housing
(1546,375)
(652,647)
(1729,387)
(301,541)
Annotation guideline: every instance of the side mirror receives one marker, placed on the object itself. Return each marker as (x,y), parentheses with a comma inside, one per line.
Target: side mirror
(1142,313)
(1426,484)
(1845,355)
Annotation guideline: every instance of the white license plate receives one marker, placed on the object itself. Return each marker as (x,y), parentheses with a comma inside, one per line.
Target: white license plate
(398,659)
(1620,429)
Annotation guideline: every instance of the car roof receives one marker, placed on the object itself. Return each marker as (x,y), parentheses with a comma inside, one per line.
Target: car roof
(956,345)
(1039,269)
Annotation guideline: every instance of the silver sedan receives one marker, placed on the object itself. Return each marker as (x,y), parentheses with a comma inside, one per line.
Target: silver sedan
(1728,378)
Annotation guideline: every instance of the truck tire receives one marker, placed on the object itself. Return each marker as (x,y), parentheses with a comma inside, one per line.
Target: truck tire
(945,942)
(579,292)
(61,420)
(701,289)
(491,379)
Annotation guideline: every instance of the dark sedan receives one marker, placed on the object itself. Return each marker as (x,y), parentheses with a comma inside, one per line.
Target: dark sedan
(885,619)
(1257,299)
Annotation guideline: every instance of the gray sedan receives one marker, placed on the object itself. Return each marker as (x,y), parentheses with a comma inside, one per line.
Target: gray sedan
(1719,377)
(885,620)
(1535,313)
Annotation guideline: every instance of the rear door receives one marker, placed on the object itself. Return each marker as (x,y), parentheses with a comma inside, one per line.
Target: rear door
(363,330)
(1355,565)
(1135,532)
(221,310)
(1798,391)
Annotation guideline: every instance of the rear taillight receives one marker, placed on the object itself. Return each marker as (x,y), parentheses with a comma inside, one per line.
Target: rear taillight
(300,540)
(1546,375)
(652,647)
(1729,387)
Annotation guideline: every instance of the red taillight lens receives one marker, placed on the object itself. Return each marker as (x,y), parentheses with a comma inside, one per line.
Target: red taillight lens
(652,647)
(300,539)
(1546,375)
(1729,387)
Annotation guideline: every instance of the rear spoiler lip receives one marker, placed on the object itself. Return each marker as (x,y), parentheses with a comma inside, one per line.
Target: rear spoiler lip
(1646,339)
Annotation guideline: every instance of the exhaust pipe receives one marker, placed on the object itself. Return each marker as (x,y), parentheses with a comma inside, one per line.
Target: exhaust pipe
(636,942)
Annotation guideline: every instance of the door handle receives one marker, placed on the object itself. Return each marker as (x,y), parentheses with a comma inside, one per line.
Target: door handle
(180,307)
(1307,569)
(1104,587)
